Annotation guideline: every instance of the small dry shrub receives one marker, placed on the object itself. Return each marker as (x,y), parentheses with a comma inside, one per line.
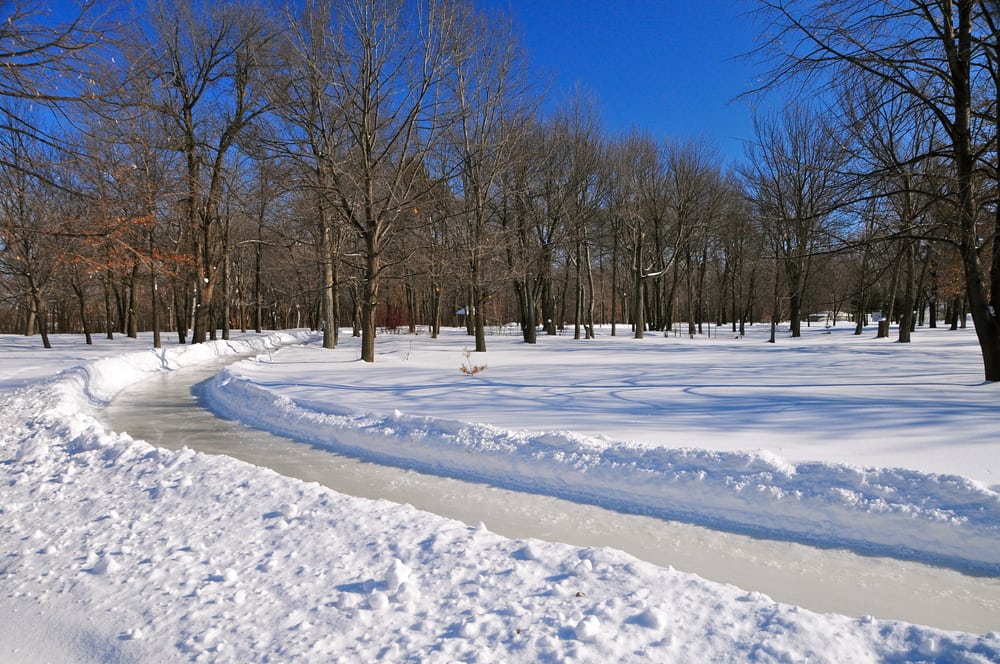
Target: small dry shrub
(468,368)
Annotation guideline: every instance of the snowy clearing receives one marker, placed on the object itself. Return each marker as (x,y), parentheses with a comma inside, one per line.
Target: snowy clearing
(117,551)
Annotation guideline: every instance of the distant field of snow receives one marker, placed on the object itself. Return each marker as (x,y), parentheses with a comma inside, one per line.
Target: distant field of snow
(114,551)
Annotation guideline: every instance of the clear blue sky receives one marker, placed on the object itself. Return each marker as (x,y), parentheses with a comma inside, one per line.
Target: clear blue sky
(671,67)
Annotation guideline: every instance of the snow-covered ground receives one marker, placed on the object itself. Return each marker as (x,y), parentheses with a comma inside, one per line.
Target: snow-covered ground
(113,550)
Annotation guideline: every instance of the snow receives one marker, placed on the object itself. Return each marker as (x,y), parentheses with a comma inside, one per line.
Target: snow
(112,550)
(417,409)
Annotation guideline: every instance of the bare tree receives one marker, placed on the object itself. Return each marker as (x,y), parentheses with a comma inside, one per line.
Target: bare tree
(523,232)
(695,196)
(37,54)
(391,57)
(488,86)
(939,55)
(792,174)
(584,197)
(305,99)
(741,248)
(895,145)
(637,203)
(28,256)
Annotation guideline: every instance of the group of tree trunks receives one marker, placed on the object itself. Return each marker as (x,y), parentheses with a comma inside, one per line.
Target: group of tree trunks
(199,166)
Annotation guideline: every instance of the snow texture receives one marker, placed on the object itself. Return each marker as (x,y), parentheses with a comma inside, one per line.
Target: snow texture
(112,550)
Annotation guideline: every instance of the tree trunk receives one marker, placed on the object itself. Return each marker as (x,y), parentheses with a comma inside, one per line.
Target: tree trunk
(689,287)
(155,310)
(369,299)
(793,273)
(638,296)
(526,303)
(205,253)
(36,298)
(83,312)
(984,314)
(133,302)
(733,296)
(548,302)
(589,312)
(578,292)
(563,301)
(329,291)
(700,289)
(181,309)
(30,320)
(109,318)
(675,280)
(639,307)
(775,305)
(355,312)
(479,320)
(747,306)
(202,305)
(435,310)
(227,302)
(614,279)
(154,296)
(861,310)
(478,313)
(258,305)
(909,296)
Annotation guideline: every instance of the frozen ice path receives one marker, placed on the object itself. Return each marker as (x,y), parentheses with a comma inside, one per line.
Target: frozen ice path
(163,411)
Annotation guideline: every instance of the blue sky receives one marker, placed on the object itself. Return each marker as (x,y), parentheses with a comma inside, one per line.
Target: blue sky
(671,67)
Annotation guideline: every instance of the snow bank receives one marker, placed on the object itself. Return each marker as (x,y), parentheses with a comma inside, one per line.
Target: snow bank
(942,519)
(115,551)
(106,377)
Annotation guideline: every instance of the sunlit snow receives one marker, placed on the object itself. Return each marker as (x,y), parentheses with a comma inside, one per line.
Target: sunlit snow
(114,550)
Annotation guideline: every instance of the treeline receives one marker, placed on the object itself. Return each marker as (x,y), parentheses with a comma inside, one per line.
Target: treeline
(196,167)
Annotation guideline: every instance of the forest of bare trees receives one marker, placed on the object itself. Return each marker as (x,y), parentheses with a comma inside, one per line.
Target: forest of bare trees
(193,167)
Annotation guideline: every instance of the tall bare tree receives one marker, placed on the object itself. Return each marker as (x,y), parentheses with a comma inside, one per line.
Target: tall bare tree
(390,60)
(637,205)
(305,99)
(793,175)
(28,256)
(695,197)
(523,246)
(489,88)
(895,146)
(940,55)
(38,54)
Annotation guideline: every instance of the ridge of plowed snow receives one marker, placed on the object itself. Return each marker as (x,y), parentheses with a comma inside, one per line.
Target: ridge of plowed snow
(942,519)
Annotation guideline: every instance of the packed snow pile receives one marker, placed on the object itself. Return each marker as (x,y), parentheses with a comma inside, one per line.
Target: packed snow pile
(115,551)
